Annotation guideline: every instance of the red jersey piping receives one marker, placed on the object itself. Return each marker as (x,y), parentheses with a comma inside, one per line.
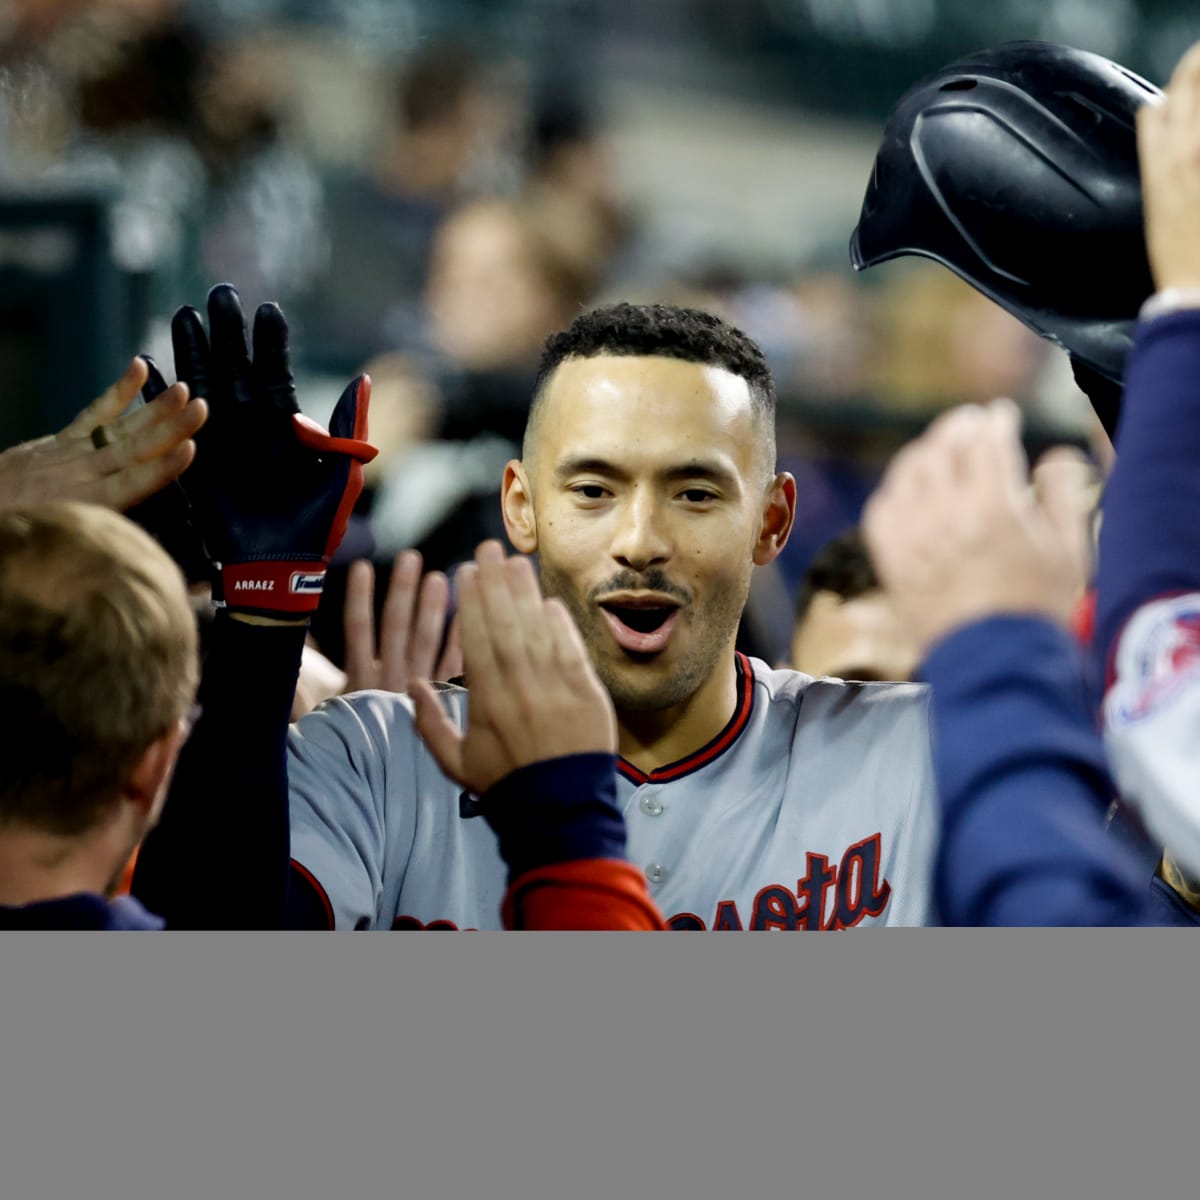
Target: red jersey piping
(714,749)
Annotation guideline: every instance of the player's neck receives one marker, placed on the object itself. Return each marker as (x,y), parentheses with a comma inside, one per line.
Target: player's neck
(36,865)
(650,740)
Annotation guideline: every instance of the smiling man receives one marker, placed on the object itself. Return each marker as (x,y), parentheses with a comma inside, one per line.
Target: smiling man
(754,799)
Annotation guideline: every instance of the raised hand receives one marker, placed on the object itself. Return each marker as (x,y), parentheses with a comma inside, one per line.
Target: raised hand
(1169,161)
(533,693)
(412,627)
(957,533)
(108,455)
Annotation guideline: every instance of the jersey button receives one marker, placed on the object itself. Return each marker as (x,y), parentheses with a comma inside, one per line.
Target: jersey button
(656,873)
(650,806)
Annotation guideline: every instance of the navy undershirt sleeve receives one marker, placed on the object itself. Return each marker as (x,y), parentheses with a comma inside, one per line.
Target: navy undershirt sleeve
(1023,783)
(218,858)
(555,811)
(1150,535)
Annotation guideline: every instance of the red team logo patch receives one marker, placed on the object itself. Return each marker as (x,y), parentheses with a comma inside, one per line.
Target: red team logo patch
(1156,655)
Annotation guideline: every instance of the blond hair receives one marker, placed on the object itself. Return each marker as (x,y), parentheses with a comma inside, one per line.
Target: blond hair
(98,659)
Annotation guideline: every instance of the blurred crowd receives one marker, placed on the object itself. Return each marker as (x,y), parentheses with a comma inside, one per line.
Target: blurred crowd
(431,215)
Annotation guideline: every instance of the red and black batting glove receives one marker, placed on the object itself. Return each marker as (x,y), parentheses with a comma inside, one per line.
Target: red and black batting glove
(271,491)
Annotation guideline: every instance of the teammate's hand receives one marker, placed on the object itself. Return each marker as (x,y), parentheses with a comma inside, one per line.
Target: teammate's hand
(412,627)
(1169,158)
(271,491)
(957,533)
(135,452)
(533,694)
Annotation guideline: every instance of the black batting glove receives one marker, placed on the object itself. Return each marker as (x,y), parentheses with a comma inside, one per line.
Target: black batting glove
(270,490)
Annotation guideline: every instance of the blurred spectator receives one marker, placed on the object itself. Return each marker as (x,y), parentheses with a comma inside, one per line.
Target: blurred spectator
(103,97)
(381,222)
(264,216)
(941,343)
(498,286)
(572,181)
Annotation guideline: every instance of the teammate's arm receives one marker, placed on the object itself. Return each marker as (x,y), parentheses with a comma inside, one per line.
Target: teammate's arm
(539,750)
(270,494)
(1148,593)
(988,572)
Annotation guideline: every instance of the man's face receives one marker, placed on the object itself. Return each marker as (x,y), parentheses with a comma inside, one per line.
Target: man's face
(652,498)
(862,638)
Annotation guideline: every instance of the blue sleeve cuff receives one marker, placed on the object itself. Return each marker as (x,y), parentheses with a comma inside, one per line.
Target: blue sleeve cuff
(1023,782)
(555,811)
(1150,536)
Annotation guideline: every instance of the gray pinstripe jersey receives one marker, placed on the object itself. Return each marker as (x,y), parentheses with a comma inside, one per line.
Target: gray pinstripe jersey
(813,808)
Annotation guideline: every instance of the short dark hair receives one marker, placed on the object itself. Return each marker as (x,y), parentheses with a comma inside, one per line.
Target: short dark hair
(664,331)
(842,566)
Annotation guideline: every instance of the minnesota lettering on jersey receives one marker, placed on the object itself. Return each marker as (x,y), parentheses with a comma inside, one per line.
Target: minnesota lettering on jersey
(854,888)
(851,890)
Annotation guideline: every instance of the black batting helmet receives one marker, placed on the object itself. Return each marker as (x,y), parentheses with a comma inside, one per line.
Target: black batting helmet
(1017,168)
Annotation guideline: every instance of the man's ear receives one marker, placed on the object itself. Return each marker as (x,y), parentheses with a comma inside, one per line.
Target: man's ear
(516,503)
(146,785)
(779,514)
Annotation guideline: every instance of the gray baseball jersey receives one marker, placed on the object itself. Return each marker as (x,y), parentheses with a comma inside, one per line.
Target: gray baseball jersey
(813,808)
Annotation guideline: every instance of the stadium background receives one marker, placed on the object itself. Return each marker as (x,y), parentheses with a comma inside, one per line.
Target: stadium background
(694,151)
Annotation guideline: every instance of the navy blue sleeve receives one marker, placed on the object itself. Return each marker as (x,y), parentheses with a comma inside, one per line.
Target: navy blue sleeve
(1150,535)
(559,810)
(218,858)
(1167,907)
(1023,783)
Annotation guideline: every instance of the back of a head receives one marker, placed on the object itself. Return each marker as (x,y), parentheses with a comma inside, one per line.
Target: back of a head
(842,567)
(662,330)
(1017,168)
(97,660)
(846,624)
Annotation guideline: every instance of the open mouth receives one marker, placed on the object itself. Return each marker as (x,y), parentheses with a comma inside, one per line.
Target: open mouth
(641,628)
(642,620)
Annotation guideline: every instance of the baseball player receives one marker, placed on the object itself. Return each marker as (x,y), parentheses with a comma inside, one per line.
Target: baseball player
(754,798)
(1148,593)
(982,571)
(97,673)
(269,494)
(256,459)
(1010,167)
(987,578)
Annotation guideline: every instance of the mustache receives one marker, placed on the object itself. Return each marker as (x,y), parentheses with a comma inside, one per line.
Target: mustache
(652,580)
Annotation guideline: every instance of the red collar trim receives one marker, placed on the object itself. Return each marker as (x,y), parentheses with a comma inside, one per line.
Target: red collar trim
(714,749)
